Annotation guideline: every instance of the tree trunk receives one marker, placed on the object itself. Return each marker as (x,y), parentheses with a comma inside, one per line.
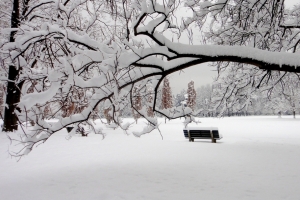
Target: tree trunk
(13,92)
(294,114)
(279,114)
(13,95)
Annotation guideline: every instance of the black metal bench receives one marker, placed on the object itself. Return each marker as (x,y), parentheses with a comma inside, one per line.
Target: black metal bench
(212,133)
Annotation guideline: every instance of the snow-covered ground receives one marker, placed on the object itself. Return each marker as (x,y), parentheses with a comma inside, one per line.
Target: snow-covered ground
(258,158)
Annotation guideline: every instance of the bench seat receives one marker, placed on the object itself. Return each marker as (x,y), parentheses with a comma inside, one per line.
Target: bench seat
(202,133)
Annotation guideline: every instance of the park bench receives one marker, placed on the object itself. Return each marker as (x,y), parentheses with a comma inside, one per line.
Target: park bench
(192,133)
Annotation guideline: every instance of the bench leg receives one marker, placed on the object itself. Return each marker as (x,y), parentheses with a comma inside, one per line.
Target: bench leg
(192,139)
(213,140)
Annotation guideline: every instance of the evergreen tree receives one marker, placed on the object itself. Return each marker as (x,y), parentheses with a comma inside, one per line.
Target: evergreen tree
(191,101)
(149,91)
(166,95)
(166,98)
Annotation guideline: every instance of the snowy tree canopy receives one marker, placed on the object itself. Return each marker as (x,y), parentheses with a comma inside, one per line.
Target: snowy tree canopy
(103,48)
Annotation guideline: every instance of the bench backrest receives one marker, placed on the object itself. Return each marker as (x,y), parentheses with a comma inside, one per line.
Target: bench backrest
(204,134)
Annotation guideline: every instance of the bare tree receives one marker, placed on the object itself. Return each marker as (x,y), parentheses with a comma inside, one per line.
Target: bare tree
(291,92)
(285,95)
(203,99)
(136,104)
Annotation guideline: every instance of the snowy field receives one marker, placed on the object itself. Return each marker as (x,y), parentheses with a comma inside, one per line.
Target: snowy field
(258,158)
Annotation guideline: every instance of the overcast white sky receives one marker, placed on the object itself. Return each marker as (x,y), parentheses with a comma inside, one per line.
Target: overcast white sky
(201,74)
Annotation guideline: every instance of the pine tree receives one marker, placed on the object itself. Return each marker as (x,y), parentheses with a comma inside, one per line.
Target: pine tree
(166,95)
(166,98)
(149,91)
(191,101)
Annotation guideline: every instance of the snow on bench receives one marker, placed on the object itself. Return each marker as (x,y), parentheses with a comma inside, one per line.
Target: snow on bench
(192,133)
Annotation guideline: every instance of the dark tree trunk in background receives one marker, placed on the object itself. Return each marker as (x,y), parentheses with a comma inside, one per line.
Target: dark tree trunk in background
(13,92)
(294,114)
